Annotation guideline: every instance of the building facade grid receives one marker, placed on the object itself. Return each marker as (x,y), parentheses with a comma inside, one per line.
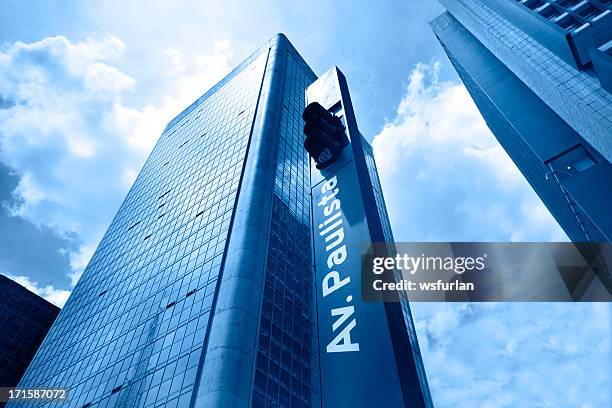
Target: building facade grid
(25,319)
(133,331)
(286,350)
(576,96)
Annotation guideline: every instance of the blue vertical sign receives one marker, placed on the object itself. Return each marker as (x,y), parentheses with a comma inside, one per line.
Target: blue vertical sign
(364,349)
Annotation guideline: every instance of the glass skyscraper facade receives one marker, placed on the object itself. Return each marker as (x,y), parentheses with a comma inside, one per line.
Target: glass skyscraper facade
(539,72)
(25,319)
(201,291)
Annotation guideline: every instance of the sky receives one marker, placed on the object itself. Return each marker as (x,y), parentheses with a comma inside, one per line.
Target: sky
(87,87)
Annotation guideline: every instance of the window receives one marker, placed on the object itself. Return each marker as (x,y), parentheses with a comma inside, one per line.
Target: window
(569,23)
(588,11)
(534,4)
(573,161)
(549,12)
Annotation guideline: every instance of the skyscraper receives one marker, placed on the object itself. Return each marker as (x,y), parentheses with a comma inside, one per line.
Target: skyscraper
(201,292)
(539,72)
(25,319)
(205,269)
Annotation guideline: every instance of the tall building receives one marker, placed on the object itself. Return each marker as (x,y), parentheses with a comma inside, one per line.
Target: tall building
(25,319)
(201,292)
(539,72)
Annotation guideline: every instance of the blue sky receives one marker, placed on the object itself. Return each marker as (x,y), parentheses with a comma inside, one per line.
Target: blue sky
(86,88)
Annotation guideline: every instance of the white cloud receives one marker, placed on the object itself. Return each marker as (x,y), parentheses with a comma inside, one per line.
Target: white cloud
(516,354)
(72,137)
(444,175)
(56,296)
(446,178)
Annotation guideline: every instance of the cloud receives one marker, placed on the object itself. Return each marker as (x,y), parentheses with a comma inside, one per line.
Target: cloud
(69,133)
(56,296)
(517,354)
(446,178)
